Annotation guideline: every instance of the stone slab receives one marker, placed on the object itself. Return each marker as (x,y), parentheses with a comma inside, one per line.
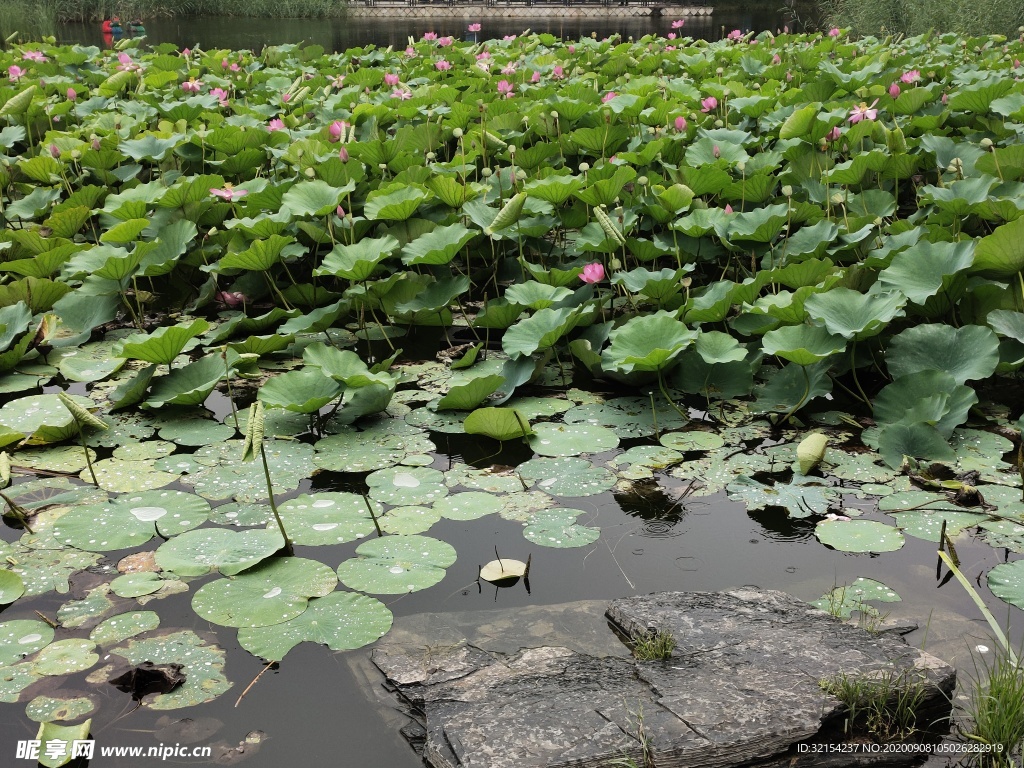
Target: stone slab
(741,688)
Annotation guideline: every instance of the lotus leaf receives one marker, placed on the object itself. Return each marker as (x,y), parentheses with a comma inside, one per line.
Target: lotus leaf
(394,565)
(21,638)
(568,476)
(48,709)
(122,626)
(799,500)
(163,345)
(558,528)
(11,587)
(65,657)
(468,506)
(1006,581)
(196,553)
(647,343)
(326,518)
(927,525)
(88,610)
(859,536)
(202,665)
(131,520)
(404,486)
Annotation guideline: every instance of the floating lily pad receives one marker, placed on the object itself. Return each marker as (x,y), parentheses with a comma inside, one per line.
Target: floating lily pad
(41,418)
(406,520)
(87,611)
(504,572)
(224,476)
(1006,581)
(493,479)
(405,486)
(122,429)
(241,515)
(1005,534)
(203,666)
(326,518)
(131,520)
(468,506)
(49,709)
(144,450)
(571,439)
(341,620)
(567,476)
(628,416)
(120,476)
(11,587)
(799,500)
(927,525)
(65,657)
(558,528)
(692,440)
(859,536)
(136,584)
(843,601)
(21,638)
(43,570)
(642,460)
(58,458)
(53,491)
(370,449)
(394,565)
(16,678)
(198,552)
(272,592)
(122,626)
(860,467)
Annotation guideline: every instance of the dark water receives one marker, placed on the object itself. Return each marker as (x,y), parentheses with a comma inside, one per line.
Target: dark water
(340,34)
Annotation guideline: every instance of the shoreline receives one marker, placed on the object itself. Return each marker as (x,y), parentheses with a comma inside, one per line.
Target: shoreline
(509,9)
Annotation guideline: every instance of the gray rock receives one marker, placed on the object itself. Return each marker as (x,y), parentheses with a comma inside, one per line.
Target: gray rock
(741,688)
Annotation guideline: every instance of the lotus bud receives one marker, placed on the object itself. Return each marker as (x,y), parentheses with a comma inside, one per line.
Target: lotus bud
(300,152)
(72,94)
(719,124)
(719,71)
(340,211)
(55,152)
(382,166)
(520,174)
(96,145)
(76,155)
(212,232)
(512,149)
(457,133)
(878,221)
(343,155)
(336,130)
(956,166)
(614,263)
(741,167)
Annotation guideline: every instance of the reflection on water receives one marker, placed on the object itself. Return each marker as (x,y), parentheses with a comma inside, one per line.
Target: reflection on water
(341,34)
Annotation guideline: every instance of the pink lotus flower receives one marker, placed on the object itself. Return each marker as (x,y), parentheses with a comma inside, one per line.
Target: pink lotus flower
(593,273)
(34,56)
(126,64)
(338,81)
(223,63)
(229,193)
(535,77)
(285,98)
(391,79)
(834,32)
(72,94)
(401,93)
(442,65)
(191,86)
(734,35)
(54,151)
(608,97)
(776,59)
(230,299)
(340,211)
(509,38)
(509,69)
(410,51)
(678,23)
(336,130)
(506,89)
(277,124)
(716,152)
(430,36)
(834,134)
(671,35)
(483,55)
(911,76)
(670,47)
(728,208)
(863,112)
(894,90)
(15,73)
(444,42)
(708,104)
(221,94)
(680,123)
(1016,63)
(557,73)
(186,52)
(343,154)
(473,27)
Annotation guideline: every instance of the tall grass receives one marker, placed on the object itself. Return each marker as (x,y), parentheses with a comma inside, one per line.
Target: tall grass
(915,17)
(25,15)
(995,710)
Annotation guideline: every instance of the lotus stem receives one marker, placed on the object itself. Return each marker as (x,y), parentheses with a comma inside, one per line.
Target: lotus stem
(369,508)
(85,449)
(803,397)
(853,370)
(289,548)
(667,396)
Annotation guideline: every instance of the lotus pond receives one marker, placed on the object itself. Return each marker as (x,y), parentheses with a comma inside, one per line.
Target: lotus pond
(566,300)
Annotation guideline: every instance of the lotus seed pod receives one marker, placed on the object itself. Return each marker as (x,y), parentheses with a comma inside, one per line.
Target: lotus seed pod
(486,173)
(837,198)
(719,71)
(584,167)
(309,173)
(520,174)
(511,149)
(457,133)
(431,156)
(382,166)
(741,166)
(787,190)
(643,181)
(719,124)
(986,143)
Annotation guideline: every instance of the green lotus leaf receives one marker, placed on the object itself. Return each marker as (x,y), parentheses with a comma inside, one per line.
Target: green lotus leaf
(647,343)
(438,246)
(15,679)
(641,461)
(88,610)
(628,416)
(369,449)
(1001,254)
(843,601)
(692,440)
(56,458)
(41,418)
(395,565)
(358,261)
(202,665)
(466,397)
(11,587)
(536,295)
(542,330)
(49,709)
(118,628)
(1006,581)
(802,344)
(21,638)
(303,391)
(468,505)
(327,518)
(917,440)
(799,500)
(405,520)
(551,439)
(313,198)
(131,520)
(163,345)
(859,536)
(192,429)
(120,476)
(717,347)
(393,204)
(405,486)
(558,528)
(855,315)
(261,255)
(927,524)
(921,270)
(199,552)
(968,352)
(44,570)
(64,734)
(65,657)
(189,385)
(499,423)
(270,593)
(136,584)
(930,396)
(567,476)
(222,476)
(341,620)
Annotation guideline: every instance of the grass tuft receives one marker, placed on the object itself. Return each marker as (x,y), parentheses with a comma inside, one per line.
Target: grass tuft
(884,706)
(995,710)
(655,646)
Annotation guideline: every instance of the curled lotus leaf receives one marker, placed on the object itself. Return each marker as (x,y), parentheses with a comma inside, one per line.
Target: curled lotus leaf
(202,665)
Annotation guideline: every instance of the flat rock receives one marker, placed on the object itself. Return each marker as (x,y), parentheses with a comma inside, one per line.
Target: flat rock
(741,688)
